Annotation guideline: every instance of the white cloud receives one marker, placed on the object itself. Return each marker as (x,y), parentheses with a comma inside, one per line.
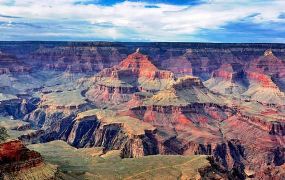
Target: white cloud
(167,22)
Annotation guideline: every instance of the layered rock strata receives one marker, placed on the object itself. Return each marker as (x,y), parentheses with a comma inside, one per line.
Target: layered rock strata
(18,162)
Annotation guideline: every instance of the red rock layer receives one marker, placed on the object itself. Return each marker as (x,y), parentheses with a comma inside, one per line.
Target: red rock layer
(136,65)
(268,64)
(14,156)
(230,136)
(262,79)
(138,61)
(229,72)
(225,72)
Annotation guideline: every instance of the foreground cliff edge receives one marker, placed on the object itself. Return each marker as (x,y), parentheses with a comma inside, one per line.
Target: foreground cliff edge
(141,110)
(19,162)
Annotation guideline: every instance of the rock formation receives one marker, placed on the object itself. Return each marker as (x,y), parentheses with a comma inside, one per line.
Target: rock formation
(10,64)
(154,101)
(268,64)
(18,162)
(55,106)
(134,74)
(99,128)
(229,79)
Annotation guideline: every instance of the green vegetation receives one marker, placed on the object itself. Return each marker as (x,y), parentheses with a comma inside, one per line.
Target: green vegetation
(95,112)
(183,97)
(166,98)
(13,124)
(131,125)
(112,82)
(92,164)
(154,84)
(3,134)
(44,171)
(65,98)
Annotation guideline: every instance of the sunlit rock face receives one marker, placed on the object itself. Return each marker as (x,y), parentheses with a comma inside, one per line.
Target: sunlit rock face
(223,100)
(229,79)
(18,162)
(137,65)
(268,64)
(15,151)
(135,74)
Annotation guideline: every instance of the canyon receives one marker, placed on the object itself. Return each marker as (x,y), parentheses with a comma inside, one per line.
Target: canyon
(132,103)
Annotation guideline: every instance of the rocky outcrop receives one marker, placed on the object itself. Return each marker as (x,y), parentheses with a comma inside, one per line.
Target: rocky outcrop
(113,133)
(17,161)
(268,64)
(184,91)
(263,80)
(16,157)
(97,128)
(137,65)
(278,128)
(187,82)
(229,79)
(108,93)
(216,171)
(140,65)
(136,73)
(250,84)
(54,106)
(263,89)
(272,127)
(17,107)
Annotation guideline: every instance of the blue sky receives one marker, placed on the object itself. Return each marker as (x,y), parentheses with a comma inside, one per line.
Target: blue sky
(145,20)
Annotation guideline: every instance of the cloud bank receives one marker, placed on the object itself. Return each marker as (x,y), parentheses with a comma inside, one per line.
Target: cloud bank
(259,20)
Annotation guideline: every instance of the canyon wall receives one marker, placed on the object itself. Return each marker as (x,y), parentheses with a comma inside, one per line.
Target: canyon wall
(199,59)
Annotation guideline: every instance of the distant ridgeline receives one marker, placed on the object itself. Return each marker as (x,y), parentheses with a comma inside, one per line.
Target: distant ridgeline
(201,59)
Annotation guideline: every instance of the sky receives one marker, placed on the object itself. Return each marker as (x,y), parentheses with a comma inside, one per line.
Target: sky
(143,21)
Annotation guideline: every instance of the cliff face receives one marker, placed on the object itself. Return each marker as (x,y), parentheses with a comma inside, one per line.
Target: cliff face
(98,128)
(237,140)
(200,59)
(16,157)
(268,64)
(18,162)
(10,64)
(17,107)
(261,80)
(134,74)
(76,59)
(55,106)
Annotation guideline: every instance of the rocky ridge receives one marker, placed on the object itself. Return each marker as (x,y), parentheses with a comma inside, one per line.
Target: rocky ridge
(134,74)
(18,162)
